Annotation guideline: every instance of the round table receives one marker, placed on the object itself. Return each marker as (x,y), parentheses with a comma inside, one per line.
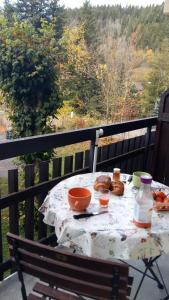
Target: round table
(109,235)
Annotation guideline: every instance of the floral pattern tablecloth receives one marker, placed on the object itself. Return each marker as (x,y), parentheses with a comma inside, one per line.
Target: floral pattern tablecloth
(109,235)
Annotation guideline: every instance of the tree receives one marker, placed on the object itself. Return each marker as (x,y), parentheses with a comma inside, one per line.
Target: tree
(78,71)
(115,74)
(28,76)
(88,20)
(9,11)
(157,81)
(35,11)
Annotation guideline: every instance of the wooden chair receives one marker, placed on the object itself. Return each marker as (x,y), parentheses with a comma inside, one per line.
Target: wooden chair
(63,273)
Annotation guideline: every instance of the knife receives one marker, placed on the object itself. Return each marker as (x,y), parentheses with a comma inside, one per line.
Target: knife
(81,216)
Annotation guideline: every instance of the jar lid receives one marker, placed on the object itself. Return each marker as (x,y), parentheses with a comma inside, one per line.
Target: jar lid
(116,170)
(146,179)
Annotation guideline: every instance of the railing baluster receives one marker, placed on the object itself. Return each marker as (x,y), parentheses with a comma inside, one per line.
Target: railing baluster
(147,142)
(1,246)
(112,151)
(124,162)
(43,176)
(86,159)
(99,154)
(104,153)
(13,209)
(79,160)
(29,203)
(119,151)
(68,164)
(131,147)
(135,160)
(91,155)
(57,167)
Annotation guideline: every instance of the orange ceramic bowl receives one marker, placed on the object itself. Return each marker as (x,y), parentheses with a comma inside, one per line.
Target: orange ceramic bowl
(79,198)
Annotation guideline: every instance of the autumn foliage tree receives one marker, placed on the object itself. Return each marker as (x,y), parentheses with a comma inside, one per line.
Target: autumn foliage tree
(36,10)
(157,80)
(78,72)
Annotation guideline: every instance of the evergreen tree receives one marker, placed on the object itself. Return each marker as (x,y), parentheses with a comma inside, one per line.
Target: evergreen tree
(88,20)
(35,11)
(9,11)
(28,77)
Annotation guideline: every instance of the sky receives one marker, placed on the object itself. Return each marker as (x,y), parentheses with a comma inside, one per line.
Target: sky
(78,3)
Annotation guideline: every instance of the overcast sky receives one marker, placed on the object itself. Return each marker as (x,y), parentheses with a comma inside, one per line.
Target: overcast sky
(77,3)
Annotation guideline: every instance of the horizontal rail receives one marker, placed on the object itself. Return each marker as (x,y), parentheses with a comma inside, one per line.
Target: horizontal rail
(121,157)
(41,143)
(17,197)
(47,185)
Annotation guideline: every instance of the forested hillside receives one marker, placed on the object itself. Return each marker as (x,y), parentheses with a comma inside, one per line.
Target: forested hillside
(70,68)
(131,46)
(145,26)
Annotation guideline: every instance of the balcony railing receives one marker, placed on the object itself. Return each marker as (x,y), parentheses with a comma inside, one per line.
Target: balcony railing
(22,203)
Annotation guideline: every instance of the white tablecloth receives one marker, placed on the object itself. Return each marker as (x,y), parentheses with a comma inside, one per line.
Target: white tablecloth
(110,235)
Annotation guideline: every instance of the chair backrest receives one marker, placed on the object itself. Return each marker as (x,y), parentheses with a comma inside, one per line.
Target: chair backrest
(95,278)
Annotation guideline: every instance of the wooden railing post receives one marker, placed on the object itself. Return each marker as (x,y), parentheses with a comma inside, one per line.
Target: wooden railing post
(57,167)
(13,209)
(1,248)
(147,143)
(43,176)
(79,160)
(91,155)
(68,164)
(29,203)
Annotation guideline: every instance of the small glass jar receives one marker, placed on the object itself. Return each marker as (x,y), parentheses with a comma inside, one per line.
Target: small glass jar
(116,174)
(104,197)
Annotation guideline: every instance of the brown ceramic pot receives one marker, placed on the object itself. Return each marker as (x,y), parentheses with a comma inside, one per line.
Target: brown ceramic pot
(79,198)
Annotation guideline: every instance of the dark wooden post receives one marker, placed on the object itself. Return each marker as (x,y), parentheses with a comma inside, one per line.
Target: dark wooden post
(1,247)
(91,155)
(147,143)
(86,158)
(13,209)
(57,167)
(79,160)
(161,153)
(68,164)
(43,176)
(29,203)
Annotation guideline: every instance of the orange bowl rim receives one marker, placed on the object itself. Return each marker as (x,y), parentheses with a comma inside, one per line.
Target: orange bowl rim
(79,188)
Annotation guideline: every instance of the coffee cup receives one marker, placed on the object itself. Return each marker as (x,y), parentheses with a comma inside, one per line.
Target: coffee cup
(136,178)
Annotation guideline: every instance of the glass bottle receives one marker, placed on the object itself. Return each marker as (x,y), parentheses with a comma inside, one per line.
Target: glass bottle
(116,174)
(144,203)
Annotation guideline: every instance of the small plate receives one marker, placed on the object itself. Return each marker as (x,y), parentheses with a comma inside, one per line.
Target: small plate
(162,206)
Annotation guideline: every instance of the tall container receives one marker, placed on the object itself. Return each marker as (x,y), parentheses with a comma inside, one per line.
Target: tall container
(144,204)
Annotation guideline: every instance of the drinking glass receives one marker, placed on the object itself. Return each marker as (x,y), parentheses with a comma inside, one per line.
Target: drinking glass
(103,197)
